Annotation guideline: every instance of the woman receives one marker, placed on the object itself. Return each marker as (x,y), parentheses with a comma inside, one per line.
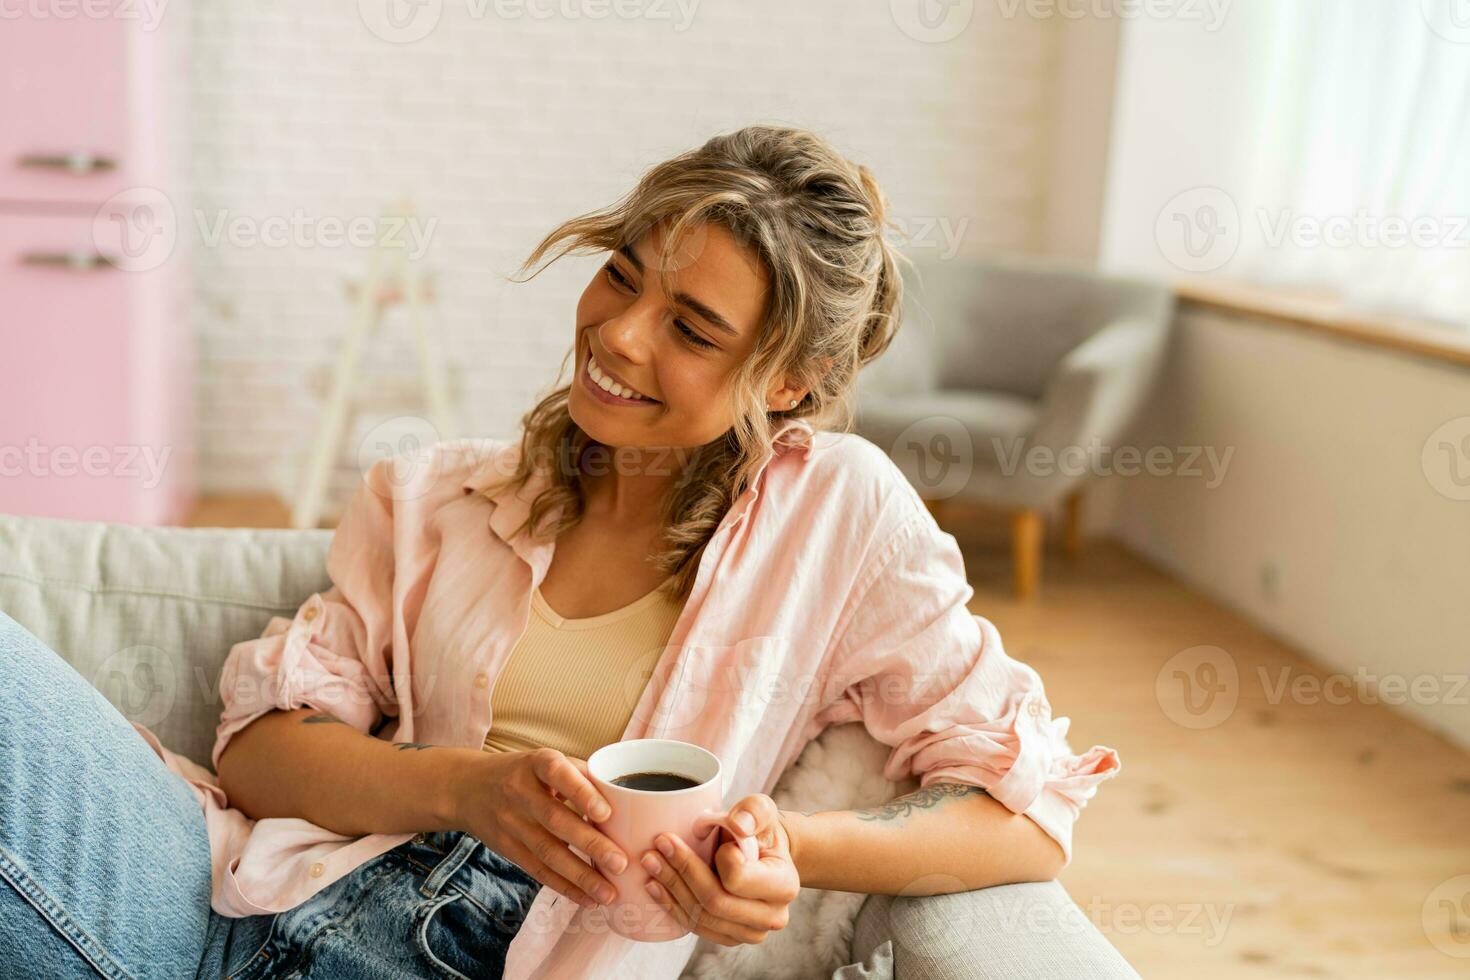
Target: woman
(684,543)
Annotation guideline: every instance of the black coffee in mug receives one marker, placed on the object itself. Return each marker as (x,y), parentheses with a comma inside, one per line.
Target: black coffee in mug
(655,782)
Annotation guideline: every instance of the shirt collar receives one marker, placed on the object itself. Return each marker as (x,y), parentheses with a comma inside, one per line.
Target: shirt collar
(791,435)
(513,505)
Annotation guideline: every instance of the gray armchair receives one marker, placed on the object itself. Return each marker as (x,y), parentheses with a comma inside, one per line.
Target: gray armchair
(1008,383)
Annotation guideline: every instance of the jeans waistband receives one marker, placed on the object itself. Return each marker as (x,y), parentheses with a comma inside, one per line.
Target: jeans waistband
(457,847)
(442,841)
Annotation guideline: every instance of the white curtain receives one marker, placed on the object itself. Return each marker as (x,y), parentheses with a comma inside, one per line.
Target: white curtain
(1361,162)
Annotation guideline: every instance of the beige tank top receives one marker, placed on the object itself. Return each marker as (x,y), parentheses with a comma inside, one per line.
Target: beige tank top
(572,684)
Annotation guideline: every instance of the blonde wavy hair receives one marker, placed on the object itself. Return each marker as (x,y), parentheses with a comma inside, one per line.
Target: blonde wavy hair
(817,222)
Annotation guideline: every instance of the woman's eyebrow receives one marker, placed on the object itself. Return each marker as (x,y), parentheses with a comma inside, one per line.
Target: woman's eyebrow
(703,310)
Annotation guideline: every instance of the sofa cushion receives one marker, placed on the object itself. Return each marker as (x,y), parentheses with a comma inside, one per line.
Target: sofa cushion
(148,614)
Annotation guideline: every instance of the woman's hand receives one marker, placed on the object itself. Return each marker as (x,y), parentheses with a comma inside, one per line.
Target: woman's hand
(516,803)
(746,900)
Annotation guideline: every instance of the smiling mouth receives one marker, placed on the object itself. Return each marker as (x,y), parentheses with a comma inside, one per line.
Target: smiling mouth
(602,381)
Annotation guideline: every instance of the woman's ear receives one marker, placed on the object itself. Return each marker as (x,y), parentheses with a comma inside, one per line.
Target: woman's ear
(780,399)
(785,398)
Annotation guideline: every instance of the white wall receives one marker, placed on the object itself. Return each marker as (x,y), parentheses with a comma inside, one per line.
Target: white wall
(1180,116)
(1081,129)
(1329,528)
(503,128)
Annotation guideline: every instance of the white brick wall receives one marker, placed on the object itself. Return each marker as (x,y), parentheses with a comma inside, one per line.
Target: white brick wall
(501,128)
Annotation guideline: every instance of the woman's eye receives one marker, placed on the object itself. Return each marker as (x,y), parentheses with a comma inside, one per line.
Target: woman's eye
(616,276)
(691,336)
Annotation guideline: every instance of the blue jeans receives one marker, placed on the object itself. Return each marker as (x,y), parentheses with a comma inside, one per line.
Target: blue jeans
(105,865)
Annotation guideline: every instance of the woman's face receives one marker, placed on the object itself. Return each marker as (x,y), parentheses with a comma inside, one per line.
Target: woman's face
(678,356)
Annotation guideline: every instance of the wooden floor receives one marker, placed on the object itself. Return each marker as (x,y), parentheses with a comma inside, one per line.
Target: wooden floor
(1290,839)
(241,510)
(1293,838)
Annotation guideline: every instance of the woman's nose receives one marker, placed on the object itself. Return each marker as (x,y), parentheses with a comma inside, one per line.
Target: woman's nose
(629,333)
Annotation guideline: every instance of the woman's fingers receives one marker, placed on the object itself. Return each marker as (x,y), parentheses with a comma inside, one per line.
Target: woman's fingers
(567,779)
(558,820)
(697,920)
(553,852)
(562,774)
(517,851)
(758,880)
(692,918)
(696,889)
(769,880)
(563,780)
(758,815)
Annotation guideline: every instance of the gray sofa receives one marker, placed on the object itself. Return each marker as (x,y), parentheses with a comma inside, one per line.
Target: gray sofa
(148,615)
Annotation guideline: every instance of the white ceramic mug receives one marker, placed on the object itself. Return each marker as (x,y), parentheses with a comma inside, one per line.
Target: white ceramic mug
(638,816)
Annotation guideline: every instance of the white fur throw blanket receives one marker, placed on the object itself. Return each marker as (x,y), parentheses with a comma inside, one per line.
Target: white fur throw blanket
(840,769)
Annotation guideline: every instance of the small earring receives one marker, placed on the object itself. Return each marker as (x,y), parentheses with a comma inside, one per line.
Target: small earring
(793,403)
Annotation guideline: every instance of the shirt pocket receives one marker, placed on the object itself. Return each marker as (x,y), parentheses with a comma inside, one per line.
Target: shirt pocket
(737,700)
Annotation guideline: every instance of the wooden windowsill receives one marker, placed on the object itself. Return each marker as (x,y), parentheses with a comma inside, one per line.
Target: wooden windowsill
(1328,314)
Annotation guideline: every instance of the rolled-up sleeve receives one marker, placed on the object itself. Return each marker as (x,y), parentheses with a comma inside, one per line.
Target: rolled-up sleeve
(336,653)
(932,680)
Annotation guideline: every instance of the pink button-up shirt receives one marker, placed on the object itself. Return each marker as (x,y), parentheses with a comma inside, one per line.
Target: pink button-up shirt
(826,595)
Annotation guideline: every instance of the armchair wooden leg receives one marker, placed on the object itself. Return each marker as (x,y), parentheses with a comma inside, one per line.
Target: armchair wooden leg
(1027,529)
(1072,528)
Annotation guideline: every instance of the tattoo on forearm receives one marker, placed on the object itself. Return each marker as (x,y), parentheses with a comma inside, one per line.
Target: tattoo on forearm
(924,799)
(322,718)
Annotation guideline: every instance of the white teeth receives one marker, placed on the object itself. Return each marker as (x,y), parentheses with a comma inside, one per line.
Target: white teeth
(609,385)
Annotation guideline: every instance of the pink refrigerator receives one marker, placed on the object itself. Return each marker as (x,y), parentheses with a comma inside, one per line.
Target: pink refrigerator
(96,352)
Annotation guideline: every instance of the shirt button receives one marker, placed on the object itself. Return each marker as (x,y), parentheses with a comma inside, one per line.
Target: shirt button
(482,679)
(1035,708)
(310,614)
(317,869)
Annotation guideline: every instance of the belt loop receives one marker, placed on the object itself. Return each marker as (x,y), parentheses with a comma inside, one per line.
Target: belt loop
(446,868)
